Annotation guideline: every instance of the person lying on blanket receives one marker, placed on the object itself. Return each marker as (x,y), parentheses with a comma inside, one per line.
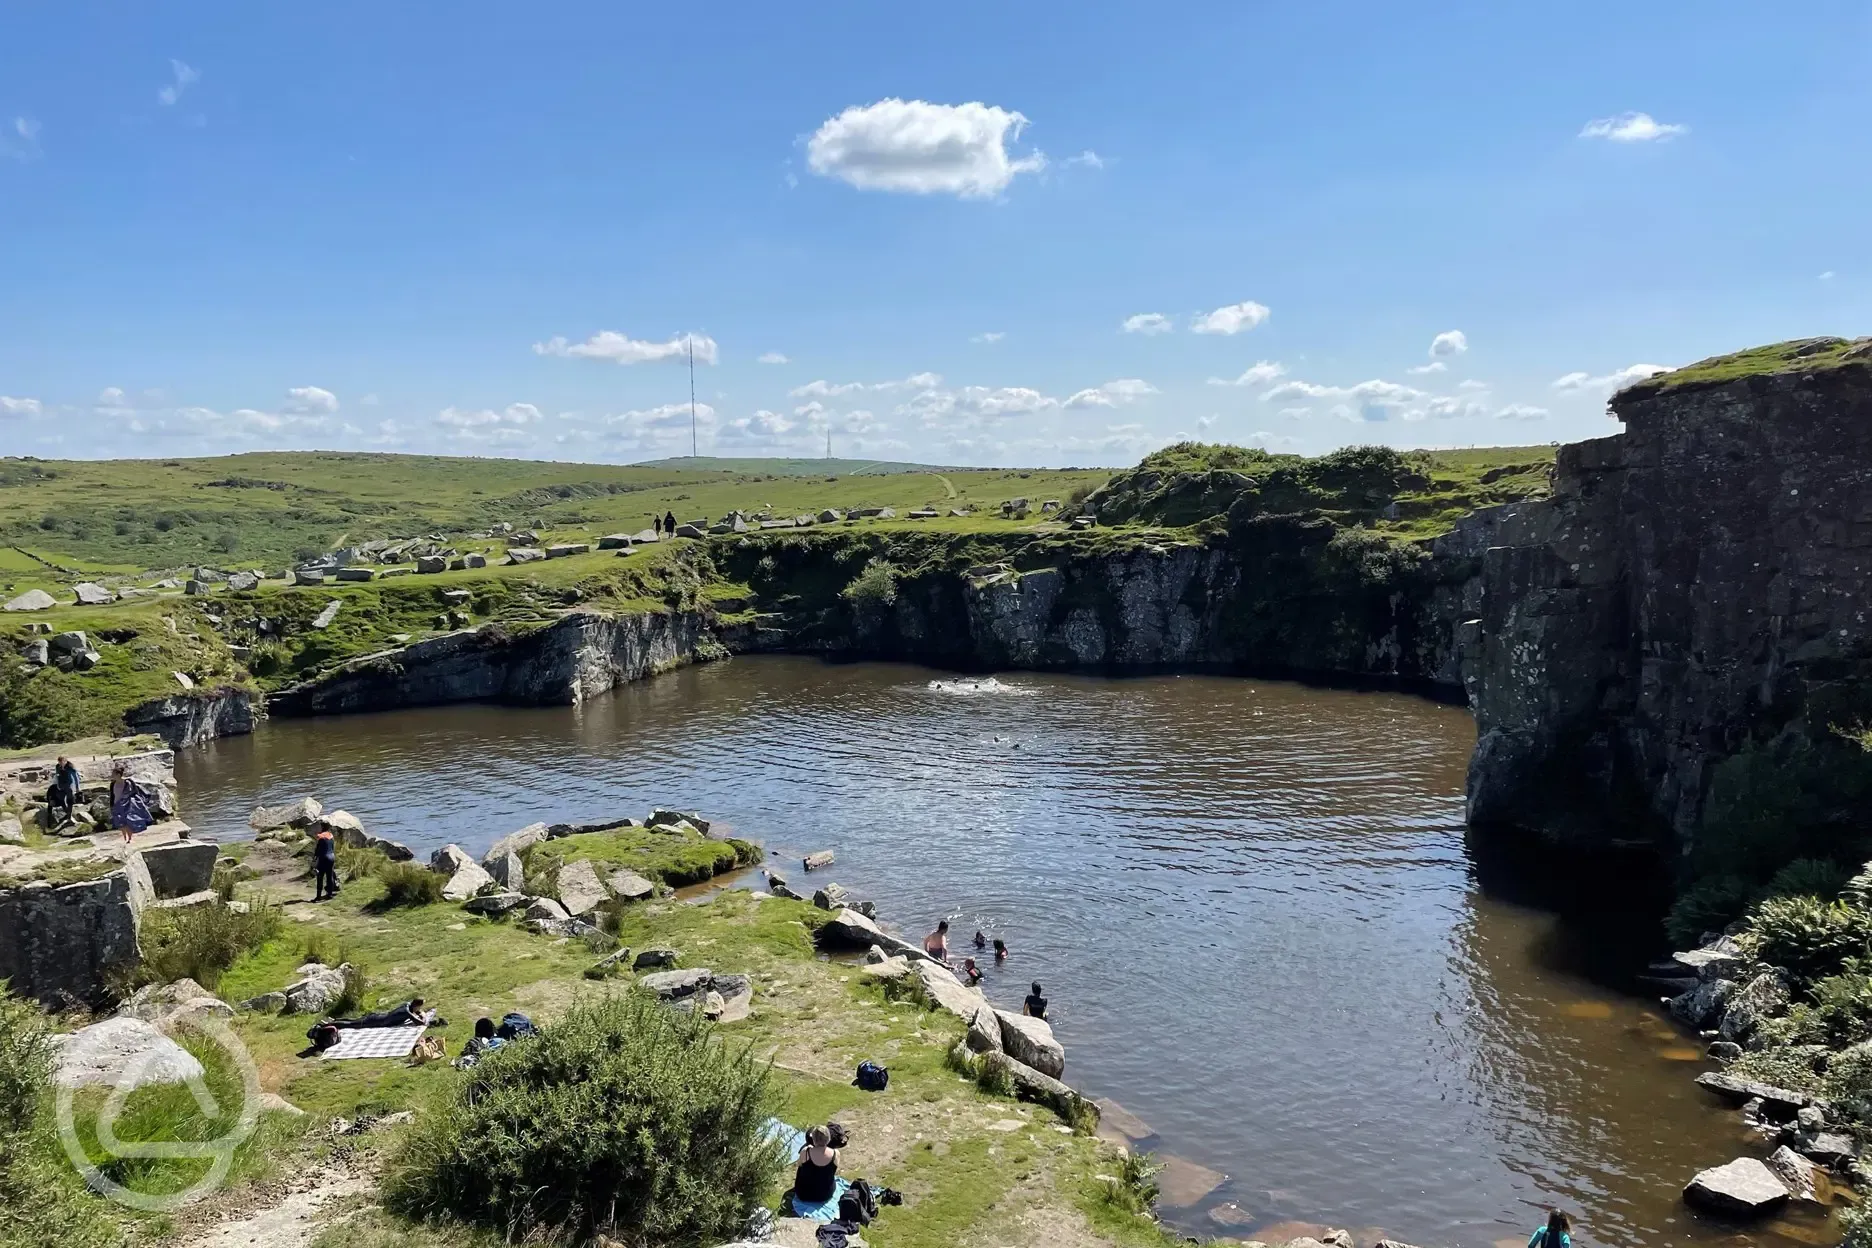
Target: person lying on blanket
(406,1015)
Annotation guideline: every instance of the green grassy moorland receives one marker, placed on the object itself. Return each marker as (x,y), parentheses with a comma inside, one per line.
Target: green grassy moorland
(974,1167)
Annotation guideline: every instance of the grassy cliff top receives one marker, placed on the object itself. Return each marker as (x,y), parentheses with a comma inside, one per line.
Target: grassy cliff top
(1799,355)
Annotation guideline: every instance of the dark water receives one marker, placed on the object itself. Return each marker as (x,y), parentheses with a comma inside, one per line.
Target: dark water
(1249,902)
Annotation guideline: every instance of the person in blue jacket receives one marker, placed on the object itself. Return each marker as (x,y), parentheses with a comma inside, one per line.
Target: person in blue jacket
(1558,1233)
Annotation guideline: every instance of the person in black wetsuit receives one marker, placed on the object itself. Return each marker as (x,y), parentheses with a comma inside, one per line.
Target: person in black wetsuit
(1036,1005)
(324,864)
(817,1176)
(669,524)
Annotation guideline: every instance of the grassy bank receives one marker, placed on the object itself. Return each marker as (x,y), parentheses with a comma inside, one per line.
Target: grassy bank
(973,1167)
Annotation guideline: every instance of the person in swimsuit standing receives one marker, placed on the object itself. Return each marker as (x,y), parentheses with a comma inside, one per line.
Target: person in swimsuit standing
(936,944)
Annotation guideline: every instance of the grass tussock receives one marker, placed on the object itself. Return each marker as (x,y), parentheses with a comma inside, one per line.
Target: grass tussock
(202,942)
(42,1202)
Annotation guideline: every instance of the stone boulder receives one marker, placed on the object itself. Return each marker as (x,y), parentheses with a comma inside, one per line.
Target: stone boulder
(180,868)
(690,530)
(516,842)
(1746,1187)
(889,970)
(91,594)
(818,860)
(674,985)
(524,554)
(73,642)
(546,910)
(507,870)
(831,897)
(1780,1103)
(31,600)
(943,990)
(495,904)
(428,565)
(348,829)
(627,885)
(122,1053)
(314,988)
(265,1003)
(466,882)
(848,929)
(579,889)
(650,959)
(168,1005)
(614,541)
(661,817)
(241,582)
(1722,959)
(984,1030)
(449,859)
(564,549)
(11,833)
(37,652)
(1031,1085)
(1703,1004)
(299,814)
(1803,1179)
(1754,1003)
(1031,1042)
(74,940)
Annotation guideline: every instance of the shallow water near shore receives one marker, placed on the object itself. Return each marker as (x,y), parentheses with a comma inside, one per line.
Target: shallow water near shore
(1249,902)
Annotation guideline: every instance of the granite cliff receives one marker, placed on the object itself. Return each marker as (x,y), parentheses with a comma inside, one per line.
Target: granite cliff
(1674,647)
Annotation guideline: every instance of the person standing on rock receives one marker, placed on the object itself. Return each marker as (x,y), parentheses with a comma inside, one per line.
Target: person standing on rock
(1558,1233)
(130,812)
(324,863)
(62,797)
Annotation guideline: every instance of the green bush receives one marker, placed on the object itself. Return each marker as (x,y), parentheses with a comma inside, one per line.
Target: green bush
(1134,1188)
(994,1078)
(1811,877)
(1811,938)
(1841,1012)
(42,1202)
(876,586)
(408,884)
(356,864)
(1707,906)
(200,942)
(623,1118)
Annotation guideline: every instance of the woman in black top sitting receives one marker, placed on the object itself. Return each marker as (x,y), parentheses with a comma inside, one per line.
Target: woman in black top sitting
(1035,1005)
(817,1177)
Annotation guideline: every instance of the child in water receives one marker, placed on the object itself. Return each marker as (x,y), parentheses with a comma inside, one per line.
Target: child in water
(971,973)
(1001,950)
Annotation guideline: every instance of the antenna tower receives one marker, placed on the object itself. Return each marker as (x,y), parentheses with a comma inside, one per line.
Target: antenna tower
(692,419)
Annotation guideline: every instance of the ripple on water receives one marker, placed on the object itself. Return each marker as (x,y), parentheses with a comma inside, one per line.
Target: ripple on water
(1249,903)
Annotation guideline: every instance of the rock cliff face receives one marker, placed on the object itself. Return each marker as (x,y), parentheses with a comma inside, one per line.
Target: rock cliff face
(1671,647)
(59,943)
(186,719)
(576,657)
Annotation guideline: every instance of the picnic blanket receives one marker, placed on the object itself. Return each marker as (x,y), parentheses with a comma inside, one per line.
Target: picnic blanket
(825,1211)
(792,1139)
(375,1042)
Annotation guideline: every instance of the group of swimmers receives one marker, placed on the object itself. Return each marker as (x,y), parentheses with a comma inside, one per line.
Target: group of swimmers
(936,945)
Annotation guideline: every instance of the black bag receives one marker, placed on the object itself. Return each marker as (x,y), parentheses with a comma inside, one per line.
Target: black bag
(858,1206)
(323,1036)
(515,1025)
(872,1077)
(840,1137)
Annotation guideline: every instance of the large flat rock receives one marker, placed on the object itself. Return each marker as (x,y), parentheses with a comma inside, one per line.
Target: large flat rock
(180,867)
(122,1053)
(1745,1187)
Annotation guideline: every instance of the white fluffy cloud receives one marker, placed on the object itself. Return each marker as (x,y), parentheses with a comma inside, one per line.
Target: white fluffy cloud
(10,406)
(1449,342)
(763,428)
(619,348)
(1521,411)
(513,415)
(1631,128)
(920,148)
(1376,391)
(310,400)
(772,357)
(1112,393)
(1233,319)
(1271,441)
(1256,374)
(182,77)
(1434,366)
(1611,381)
(1147,323)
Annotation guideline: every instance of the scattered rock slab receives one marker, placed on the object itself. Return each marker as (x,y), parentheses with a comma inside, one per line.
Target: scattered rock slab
(123,1053)
(1184,1182)
(1804,1180)
(299,814)
(241,582)
(428,565)
(265,1003)
(496,904)
(673,985)
(649,959)
(167,1005)
(1031,1041)
(848,929)
(614,541)
(984,1030)
(567,548)
(449,859)
(516,842)
(180,868)
(326,616)
(690,530)
(466,882)
(91,594)
(508,871)
(944,990)
(524,554)
(627,885)
(886,968)
(1780,1101)
(832,897)
(546,910)
(1123,1121)
(818,861)
(579,888)
(31,600)
(1745,1187)
(315,988)
(355,574)
(1829,1148)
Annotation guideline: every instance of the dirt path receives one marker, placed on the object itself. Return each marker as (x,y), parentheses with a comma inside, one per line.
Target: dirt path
(293,1222)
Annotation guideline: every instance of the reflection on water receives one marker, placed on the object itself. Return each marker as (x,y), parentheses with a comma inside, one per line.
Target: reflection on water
(1249,902)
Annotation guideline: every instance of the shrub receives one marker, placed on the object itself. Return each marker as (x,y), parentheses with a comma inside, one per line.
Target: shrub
(876,586)
(322,947)
(1811,938)
(1812,877)
(623,1118)
(355,863)
(1708,906)
(350,999)
(407,884)
(200,942)
(994,1078)
(1134,1188)
(1841,1012)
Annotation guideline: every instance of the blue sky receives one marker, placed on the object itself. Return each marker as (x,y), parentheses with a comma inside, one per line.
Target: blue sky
(497,232)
